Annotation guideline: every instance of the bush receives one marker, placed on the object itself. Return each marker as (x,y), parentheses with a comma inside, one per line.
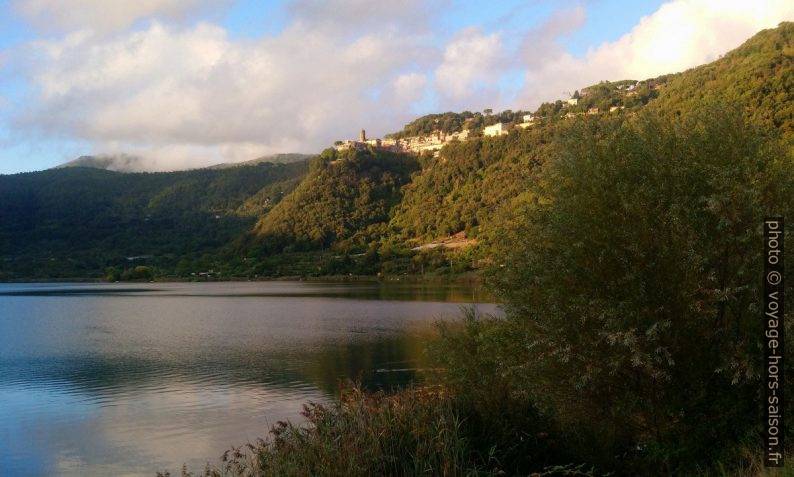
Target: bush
(138,273)
(632,286)
(501,421)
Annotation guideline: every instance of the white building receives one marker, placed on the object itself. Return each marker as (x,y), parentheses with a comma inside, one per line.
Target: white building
(529,120)
(498,129)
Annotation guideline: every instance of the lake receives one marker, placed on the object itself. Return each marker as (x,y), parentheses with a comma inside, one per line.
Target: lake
(129,379)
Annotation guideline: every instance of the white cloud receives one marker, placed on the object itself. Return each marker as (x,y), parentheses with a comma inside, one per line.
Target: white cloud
(103,15)
(473,63)
(351,17)
(541,46)
(407,88)
(680,35)
(180,95)
(183,94)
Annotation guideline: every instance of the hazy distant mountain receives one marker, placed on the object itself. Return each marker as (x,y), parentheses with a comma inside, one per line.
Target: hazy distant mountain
(127,163)
(119,163)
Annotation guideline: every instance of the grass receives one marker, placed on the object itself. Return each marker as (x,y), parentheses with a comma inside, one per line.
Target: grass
(417,431)
(750,464)
(413,432)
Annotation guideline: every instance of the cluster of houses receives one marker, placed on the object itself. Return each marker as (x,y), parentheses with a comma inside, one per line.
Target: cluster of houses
(431,142)
(435,141)
(501,129)
(592,111)
(629,88)
(416,144)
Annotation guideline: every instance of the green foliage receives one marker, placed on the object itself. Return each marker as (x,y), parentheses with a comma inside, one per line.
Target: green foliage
(346,196)
(757,76)
(448,122)
(501,418)
(414,432)
(112,274)
(462,189)
(76,222)
(467,187)
(139,273)
(626,250)
(637,319)
(626,93)
(267,197)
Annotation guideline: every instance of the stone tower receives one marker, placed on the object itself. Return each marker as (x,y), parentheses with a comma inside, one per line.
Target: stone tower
(362,136)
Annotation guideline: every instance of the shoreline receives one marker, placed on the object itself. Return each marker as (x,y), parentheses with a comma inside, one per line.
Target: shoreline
(466,278)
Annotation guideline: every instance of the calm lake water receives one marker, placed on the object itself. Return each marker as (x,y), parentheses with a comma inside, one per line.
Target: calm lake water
(129,379)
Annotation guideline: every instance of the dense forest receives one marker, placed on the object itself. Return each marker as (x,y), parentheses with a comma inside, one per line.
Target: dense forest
(758,76)
(86,222)
(354,211)
(344,202)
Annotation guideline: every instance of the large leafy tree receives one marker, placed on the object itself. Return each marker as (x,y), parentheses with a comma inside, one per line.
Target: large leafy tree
(632,278)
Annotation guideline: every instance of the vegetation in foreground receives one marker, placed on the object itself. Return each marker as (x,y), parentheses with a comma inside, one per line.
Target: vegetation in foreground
(632,341)
(413,432)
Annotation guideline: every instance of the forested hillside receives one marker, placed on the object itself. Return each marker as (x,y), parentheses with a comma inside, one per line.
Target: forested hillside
(465,188)
(461,190)
(757,76)
(345,201)
(75,222)
(620,231)
(78,222)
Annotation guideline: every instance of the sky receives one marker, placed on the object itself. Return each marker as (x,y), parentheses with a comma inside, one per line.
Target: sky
(190,83)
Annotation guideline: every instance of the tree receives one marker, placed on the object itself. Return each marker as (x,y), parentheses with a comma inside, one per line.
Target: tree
(638,260)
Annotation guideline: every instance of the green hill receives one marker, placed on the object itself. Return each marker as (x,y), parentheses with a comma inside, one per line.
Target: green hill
(462,189)
(470,181)
(345,201)
(76,221)
(758,75)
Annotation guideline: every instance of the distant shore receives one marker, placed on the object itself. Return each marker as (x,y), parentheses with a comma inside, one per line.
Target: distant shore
(463,278)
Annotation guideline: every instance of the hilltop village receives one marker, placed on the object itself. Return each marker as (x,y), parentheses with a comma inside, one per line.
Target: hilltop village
(432,142)
(605,97)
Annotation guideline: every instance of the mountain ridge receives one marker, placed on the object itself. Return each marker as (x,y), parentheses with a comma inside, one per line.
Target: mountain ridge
(360,203)
(129,163)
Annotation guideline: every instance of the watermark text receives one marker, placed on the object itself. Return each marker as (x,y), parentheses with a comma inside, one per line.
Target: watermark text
(773,341)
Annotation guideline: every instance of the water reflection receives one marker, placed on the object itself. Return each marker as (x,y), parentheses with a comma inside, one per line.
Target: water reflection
(373,290)
(108,379)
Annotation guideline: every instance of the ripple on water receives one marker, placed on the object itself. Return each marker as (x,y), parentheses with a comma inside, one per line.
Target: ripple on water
(128,380)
